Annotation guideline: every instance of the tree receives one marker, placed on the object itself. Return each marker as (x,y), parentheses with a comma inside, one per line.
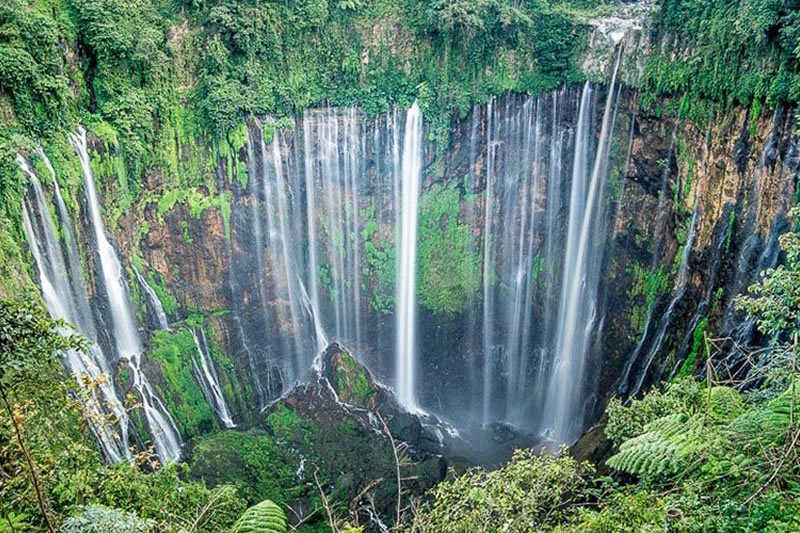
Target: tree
(29,342)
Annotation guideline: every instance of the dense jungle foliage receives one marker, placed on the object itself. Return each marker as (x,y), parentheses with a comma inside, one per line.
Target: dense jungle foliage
(715,453)
(166,85)
(715,54)
(160,81)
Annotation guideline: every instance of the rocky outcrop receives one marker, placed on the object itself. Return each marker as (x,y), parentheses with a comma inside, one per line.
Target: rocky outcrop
(344,425)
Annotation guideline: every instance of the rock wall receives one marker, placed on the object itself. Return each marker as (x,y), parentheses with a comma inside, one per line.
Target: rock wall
(739,173)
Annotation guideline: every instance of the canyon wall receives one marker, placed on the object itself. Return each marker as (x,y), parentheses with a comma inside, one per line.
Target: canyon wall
(725,190)
(569,246)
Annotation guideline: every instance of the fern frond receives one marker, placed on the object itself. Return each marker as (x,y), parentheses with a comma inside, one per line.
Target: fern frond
(666,446)
(264,517)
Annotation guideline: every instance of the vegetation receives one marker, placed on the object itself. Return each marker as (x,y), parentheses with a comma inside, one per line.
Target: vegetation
(449,264)
(264,517)
(528,494)
(29,341)
(100,519)
(695,456)
(775,300)
(720,53)
(252,461)
(175,351)
(698,346)
(167,88)
(379,264)
(706,457)
(352,383)
(44,432)
(648,284)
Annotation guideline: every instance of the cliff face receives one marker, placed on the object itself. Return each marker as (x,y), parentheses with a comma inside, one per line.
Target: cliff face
(725,190)
(570,246)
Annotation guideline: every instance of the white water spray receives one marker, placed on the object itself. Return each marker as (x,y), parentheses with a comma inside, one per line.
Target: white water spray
(206,375)
(164,433)
(105,414)
(578,307)
(407,259)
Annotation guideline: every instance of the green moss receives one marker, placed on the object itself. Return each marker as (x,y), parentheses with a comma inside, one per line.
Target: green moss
(352,384)
(647,286)
(168,301)
(186,237)
(15,278)
(719,294)
(731,226)
(252,461)
(183,396)
(698,340)
(224,203)
(238,392)
(448,263)
(730,53)
(196,202)
(379,264)
(287,425)
(168,200)
(537,268)
(138,304)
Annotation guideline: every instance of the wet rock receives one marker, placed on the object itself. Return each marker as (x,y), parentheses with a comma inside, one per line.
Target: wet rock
(334,422)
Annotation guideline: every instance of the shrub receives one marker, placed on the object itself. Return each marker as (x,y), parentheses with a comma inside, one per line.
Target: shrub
(101,519)
(530,493)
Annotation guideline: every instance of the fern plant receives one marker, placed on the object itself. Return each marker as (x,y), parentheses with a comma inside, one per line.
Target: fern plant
(768,425)
(666,447)
(264,517)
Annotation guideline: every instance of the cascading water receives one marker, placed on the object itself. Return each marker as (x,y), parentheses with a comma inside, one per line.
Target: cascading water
(339,147)
(407,260)
(164,433)
(206,375)
(578,308)
(668,316)
(334,201)
(282,249)
(488,267)
(154,303)
(66,299)
(517,142)
(329,211)
(313,264)
(279,257)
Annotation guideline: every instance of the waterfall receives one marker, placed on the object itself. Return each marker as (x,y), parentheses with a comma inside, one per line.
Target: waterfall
(106,415)
(154,303)
(553,249)
(488,267)
(281,248)
(525,177)
(578,308)
(524,141)
(236,311)
(473,305)
(70,246)
(411,175)
(275,216)
(313,264)
(667,317)
(324,247)
(166,439)
(206,375)
(340,154)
